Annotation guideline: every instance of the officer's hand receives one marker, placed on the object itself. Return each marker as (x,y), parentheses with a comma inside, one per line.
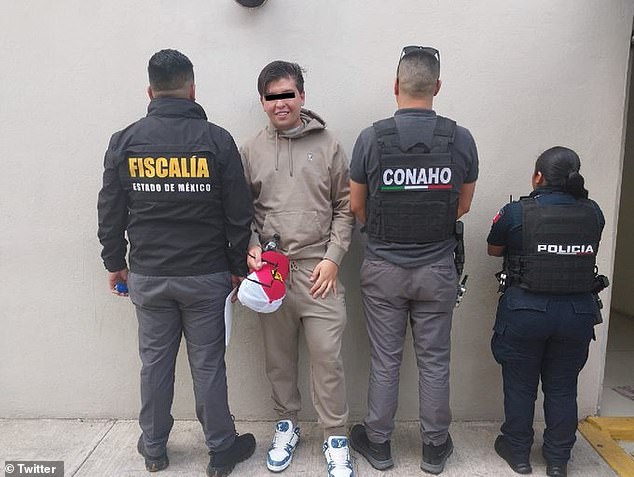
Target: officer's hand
(254,258)
(324,278)
(117,277)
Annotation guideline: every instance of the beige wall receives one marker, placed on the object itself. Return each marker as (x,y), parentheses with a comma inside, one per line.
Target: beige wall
(522,76)
(622,296)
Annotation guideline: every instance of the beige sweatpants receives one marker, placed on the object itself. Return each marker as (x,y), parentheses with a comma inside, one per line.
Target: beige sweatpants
(323,321)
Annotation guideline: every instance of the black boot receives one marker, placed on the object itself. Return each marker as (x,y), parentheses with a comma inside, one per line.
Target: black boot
(378,455)
(221,463)
(152,464)
(434,457)
(556,470)
(518,464)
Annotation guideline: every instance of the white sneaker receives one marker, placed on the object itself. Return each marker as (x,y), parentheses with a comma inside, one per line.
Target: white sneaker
(337,456)
(284,442)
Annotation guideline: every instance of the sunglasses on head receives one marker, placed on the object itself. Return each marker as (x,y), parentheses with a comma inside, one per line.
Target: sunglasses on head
(424,49)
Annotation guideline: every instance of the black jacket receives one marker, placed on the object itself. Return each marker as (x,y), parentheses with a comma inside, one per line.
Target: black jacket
(175,183)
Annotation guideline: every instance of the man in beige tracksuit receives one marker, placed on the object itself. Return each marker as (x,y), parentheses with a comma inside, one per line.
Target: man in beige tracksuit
(298,175)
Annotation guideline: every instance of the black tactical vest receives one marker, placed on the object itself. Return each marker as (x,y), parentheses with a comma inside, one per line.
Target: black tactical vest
(417,197)
(560,245)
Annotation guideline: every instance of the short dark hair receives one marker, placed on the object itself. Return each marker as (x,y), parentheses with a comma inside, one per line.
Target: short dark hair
(169,70)
(277,70)
(560,167)
(418,73)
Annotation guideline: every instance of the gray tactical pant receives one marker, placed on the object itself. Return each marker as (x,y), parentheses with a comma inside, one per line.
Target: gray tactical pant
(424,296)
(167,308)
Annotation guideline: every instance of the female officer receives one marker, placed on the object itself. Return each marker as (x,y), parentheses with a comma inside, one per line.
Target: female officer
(546,315)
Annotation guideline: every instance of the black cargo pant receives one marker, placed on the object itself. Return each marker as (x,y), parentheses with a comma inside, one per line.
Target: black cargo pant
(542,336)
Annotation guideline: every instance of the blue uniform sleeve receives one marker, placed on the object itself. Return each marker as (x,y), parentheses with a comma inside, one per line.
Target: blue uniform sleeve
(599,215)
(500,228)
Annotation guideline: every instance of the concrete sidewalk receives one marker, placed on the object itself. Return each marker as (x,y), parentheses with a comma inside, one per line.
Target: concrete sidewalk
(107,448)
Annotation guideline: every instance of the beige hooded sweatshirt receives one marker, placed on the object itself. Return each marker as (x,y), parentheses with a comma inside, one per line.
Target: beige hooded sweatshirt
(301,191)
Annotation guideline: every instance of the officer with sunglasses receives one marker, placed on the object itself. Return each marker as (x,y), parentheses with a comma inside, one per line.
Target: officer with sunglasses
(412,176)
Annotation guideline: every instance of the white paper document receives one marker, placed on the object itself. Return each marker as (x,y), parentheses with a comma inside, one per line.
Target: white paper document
(228,315)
